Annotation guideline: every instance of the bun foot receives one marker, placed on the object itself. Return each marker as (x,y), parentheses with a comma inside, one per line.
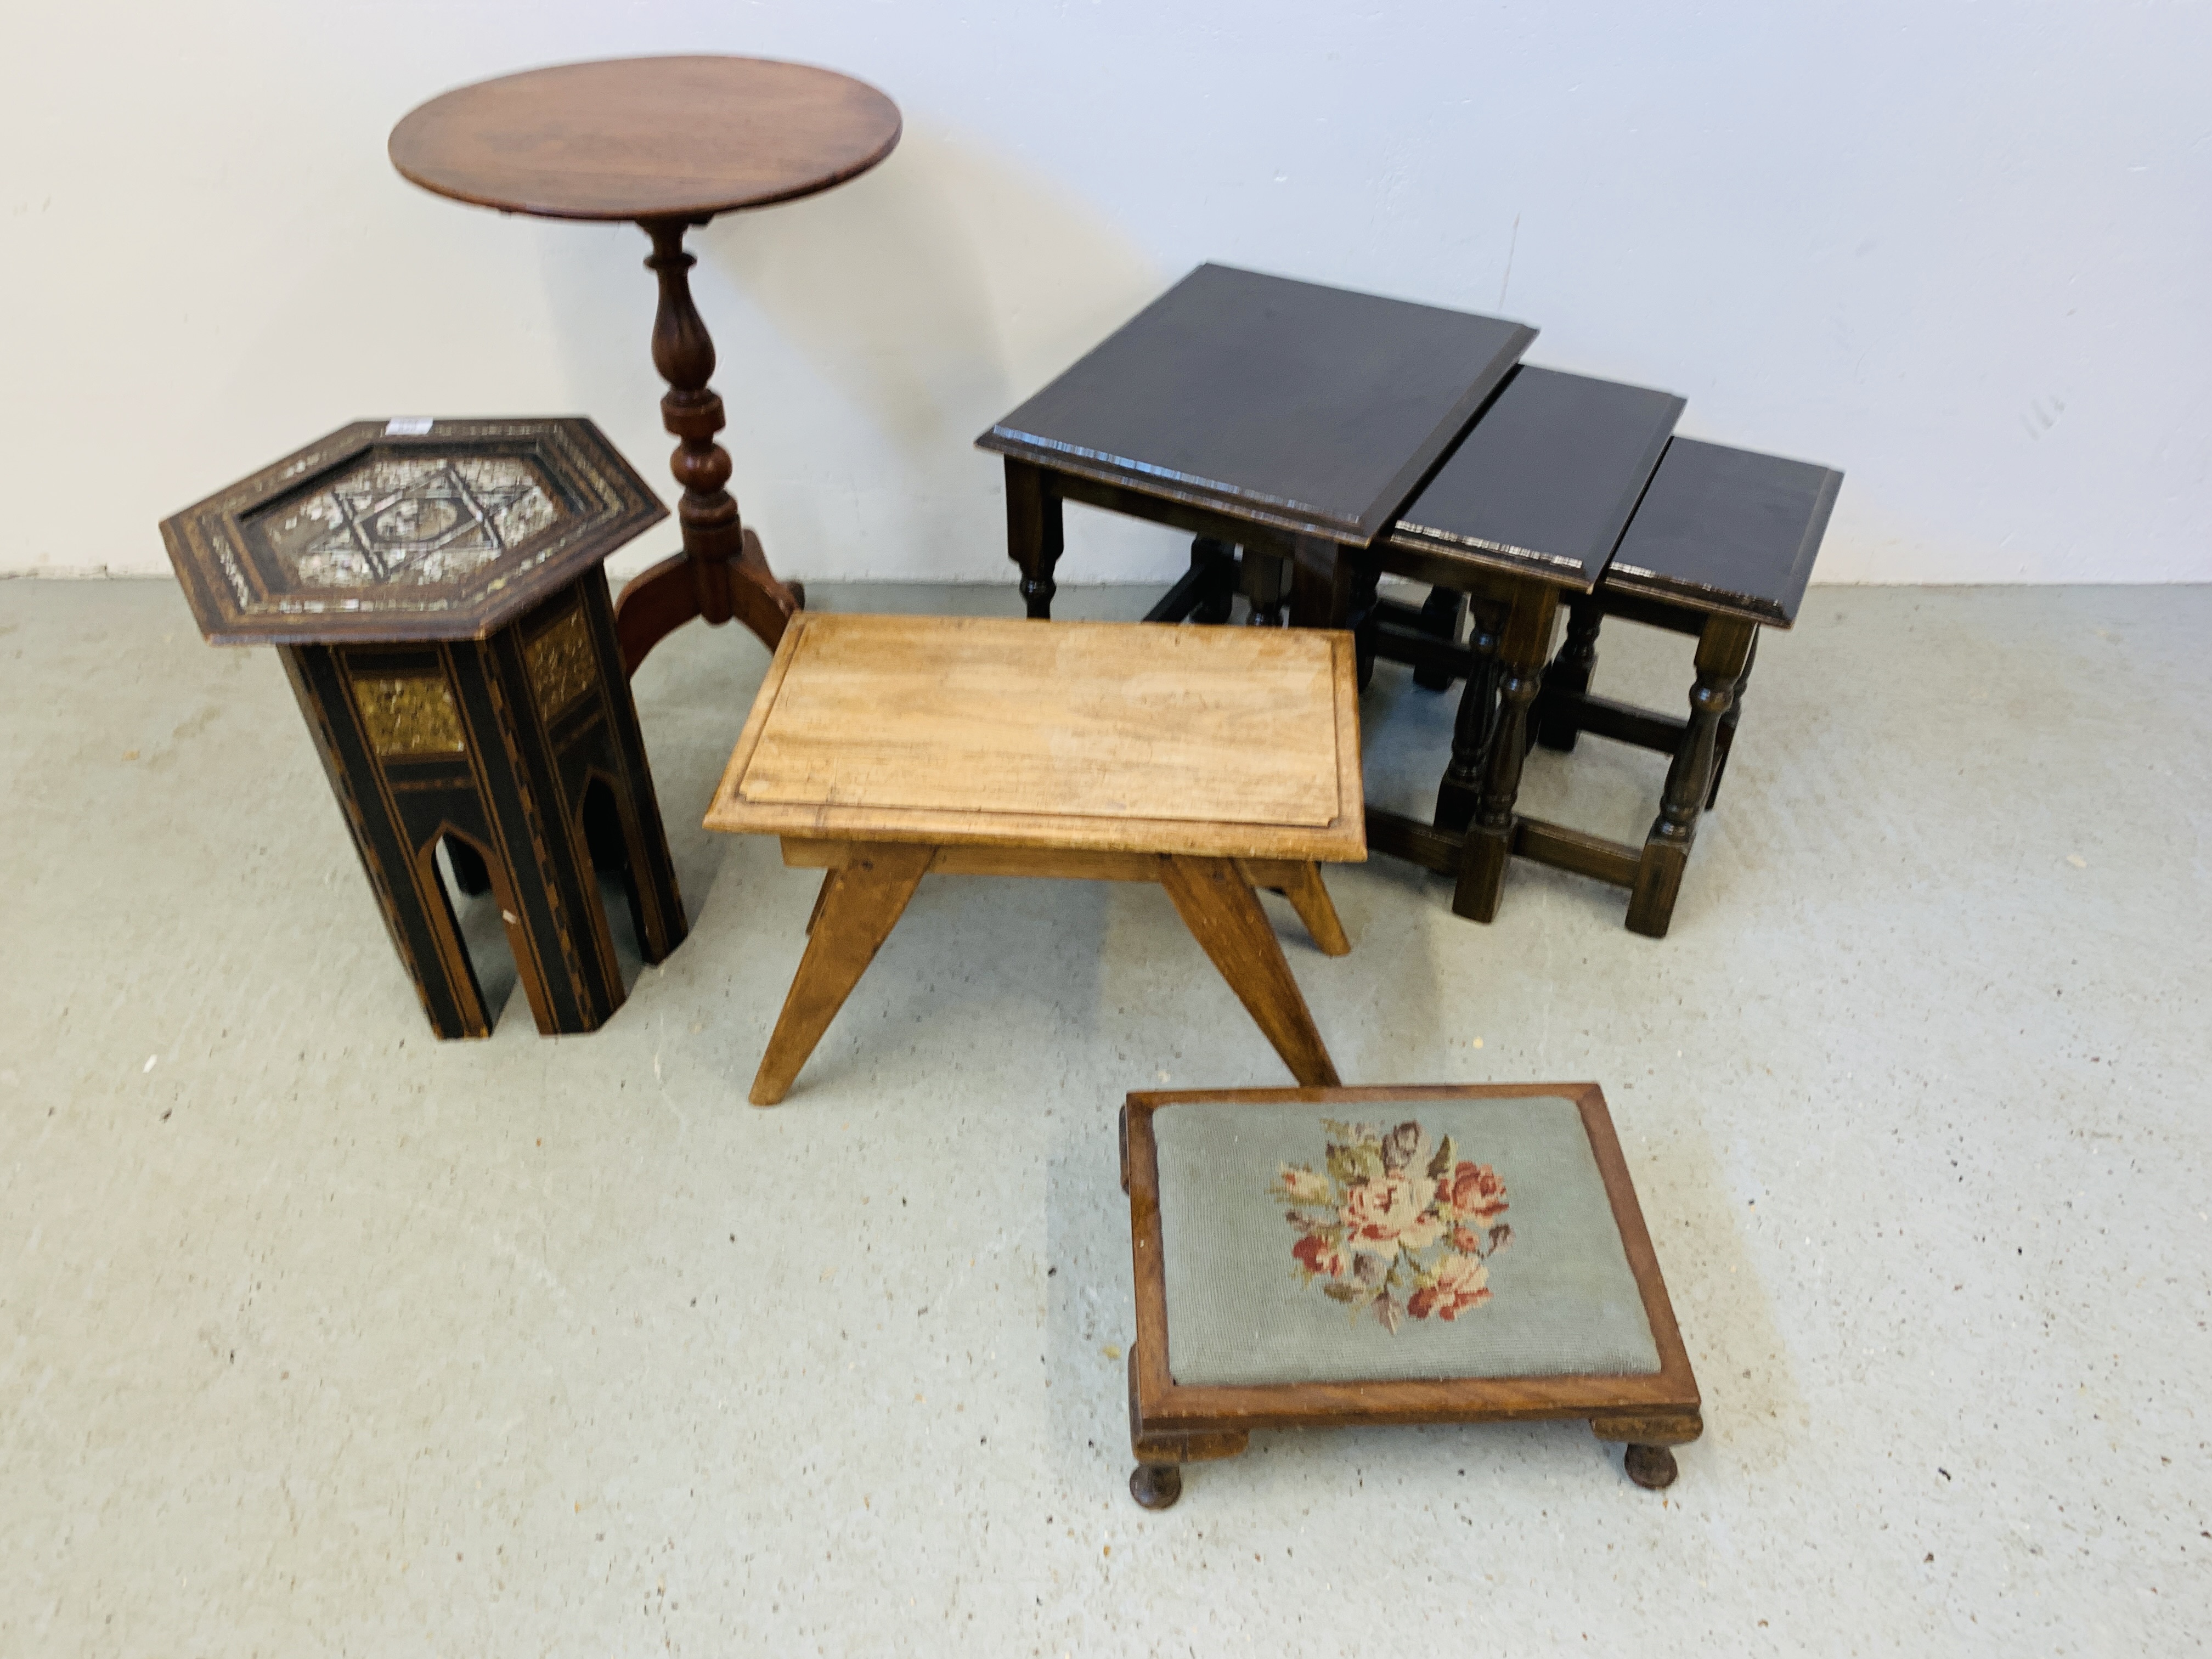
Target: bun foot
(1651,1467)
(1157,1485)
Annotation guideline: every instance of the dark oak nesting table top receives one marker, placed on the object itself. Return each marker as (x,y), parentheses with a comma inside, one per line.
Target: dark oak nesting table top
(1282,403)
(1726,529)
(1547,480)
(647,137)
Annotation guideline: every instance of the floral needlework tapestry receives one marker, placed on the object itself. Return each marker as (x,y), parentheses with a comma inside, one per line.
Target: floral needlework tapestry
(1393,1225)
(1438,1238)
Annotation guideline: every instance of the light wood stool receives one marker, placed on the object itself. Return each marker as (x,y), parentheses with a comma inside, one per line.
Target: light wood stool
(1212,761)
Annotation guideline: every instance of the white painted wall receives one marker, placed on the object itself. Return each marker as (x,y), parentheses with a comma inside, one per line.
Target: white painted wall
(1963,251)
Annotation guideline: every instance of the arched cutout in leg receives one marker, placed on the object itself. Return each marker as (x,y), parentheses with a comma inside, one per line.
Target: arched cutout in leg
(474,942)
(607,835)
(471,876)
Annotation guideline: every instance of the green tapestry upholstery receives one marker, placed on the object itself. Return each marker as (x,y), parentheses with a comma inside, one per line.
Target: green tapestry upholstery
(1427,1239)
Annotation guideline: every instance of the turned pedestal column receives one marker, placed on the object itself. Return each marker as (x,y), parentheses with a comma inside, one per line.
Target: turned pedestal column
(668,143)
(721,573)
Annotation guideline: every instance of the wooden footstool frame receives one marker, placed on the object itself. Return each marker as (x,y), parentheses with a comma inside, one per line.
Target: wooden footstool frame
(1171,1425)
(876,851)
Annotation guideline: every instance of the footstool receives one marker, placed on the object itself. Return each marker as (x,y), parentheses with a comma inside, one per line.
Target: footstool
(436,590)
(1322,1258)
(1210,761)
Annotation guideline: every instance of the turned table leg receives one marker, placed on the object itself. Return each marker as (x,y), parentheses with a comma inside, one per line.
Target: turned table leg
(1726,743)
(1724,653)
(721,573)
(1265,581)
(1461,790)
(1035,535)
(1440,614)
(1205,592)
(1326,582)
(1526,638)
(1570,672)
(1220,599)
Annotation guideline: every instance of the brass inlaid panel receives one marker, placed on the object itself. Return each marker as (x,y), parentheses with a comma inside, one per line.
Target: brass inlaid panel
(560,664)
(409,714)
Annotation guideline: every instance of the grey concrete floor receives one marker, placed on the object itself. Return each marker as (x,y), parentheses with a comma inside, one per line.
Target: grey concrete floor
(317,1336)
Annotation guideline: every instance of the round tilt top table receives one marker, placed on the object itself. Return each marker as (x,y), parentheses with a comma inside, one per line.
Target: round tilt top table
(666,142)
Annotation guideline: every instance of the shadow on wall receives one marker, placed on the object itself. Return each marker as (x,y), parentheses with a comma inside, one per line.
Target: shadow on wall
(939,289)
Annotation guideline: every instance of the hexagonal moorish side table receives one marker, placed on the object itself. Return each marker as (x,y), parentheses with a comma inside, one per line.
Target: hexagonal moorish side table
(436,592)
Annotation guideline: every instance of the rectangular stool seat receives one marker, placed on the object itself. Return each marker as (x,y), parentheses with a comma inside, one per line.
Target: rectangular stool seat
(1326,1257)
(1100,735)
(1214,762)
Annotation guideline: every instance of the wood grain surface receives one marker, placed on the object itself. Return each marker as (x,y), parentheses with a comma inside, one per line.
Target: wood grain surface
(1218,907)
(647,137)
(1236,743)
(859,905)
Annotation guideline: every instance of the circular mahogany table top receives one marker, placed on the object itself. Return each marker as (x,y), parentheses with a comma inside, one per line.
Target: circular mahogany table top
(647,137)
